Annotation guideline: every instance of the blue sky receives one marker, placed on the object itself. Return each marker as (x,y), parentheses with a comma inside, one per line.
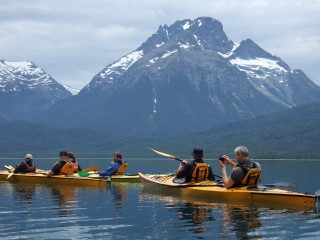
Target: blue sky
(73,40)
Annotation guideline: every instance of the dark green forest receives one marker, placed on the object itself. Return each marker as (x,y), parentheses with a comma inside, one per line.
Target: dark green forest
(290,134)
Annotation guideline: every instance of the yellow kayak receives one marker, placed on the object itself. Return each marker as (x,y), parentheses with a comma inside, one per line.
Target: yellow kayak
(56,179)
(210,189)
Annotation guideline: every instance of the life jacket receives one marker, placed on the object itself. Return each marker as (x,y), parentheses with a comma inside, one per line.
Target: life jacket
(252,174)
(75,167)
(121,169)
(200,173)
(252,177)
(67,169)
(31,169)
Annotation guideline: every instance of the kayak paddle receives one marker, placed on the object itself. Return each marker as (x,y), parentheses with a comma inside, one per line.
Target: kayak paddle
(173,157)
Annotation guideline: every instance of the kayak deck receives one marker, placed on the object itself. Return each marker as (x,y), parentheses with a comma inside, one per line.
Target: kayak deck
(212,189)
(55,179)
(120,178)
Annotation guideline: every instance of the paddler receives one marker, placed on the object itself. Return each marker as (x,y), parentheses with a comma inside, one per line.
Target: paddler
(72,158)
(27,166)
(240,169)
(197,170)
(114,166)
(62,167)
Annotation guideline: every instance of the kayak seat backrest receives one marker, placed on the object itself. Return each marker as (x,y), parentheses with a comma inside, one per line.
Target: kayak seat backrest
(121,169)
(252,178)
(67,169)
(200,173)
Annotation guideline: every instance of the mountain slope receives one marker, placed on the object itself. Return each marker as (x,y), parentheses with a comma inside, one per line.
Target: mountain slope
(185,78)
(26,90)
(292,133)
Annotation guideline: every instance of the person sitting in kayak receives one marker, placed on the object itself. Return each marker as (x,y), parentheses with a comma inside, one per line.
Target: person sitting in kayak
(114,166)
(197,170)
(27,166)
(72,158)
(62,167)
(240,170)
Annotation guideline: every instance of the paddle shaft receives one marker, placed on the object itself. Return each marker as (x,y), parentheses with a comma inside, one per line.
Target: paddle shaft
(173,157)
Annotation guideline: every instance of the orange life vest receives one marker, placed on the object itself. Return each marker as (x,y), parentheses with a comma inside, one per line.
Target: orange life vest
(200,173)
(75,167)
(67,169)
(31,169)
(252,177)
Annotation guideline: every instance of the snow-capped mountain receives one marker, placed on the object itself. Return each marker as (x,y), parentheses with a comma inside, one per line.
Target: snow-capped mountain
(27,90)
(188,77)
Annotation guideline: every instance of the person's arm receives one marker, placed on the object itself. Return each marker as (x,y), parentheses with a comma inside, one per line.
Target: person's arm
(110,170)
(184,171)
(227,181)
(56,169)
(228,161)
(211,176)
(182,164)
(49,174)
(79,168)
(21,167)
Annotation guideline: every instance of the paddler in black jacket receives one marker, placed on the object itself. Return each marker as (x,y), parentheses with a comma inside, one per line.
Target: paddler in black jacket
(26,166)
(239,170)
(186,169)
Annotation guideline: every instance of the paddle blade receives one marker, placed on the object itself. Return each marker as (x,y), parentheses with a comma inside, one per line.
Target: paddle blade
(91,169)
(9,175)
(163,154)
(317,193)
(283,185)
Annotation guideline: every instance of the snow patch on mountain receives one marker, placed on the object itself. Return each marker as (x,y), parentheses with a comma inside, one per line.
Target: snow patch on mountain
(256,63)
(123,64)
(229,54)
(71,90)
(186,26)
(167,54)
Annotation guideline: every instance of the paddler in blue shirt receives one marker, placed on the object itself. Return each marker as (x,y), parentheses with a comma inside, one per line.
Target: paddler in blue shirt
(114,166)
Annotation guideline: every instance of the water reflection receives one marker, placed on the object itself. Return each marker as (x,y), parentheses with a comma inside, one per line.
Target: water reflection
(118,196)
(240,220)
(66,198)
(24,192)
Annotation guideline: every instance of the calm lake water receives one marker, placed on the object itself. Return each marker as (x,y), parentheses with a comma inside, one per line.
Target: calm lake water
(130,211)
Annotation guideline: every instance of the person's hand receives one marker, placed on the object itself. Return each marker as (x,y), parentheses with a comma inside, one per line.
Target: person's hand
(227,160)
(223,164)
(183,163)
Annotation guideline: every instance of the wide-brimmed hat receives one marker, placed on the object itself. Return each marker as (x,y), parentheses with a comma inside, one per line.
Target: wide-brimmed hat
(197,152)
(28,156)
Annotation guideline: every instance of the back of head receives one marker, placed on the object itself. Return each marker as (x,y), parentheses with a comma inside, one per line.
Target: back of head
(197,152)
(242,150)
(63,153)
(71,155)
(28,157)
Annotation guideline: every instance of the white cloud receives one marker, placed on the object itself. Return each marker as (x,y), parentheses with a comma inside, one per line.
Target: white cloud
(74,40)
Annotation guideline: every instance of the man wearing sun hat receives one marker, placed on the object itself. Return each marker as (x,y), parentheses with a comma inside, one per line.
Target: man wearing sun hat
(186,169)
(26,166)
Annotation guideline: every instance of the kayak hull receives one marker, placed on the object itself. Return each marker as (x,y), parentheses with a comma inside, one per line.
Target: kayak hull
(56,179)
(210,189)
